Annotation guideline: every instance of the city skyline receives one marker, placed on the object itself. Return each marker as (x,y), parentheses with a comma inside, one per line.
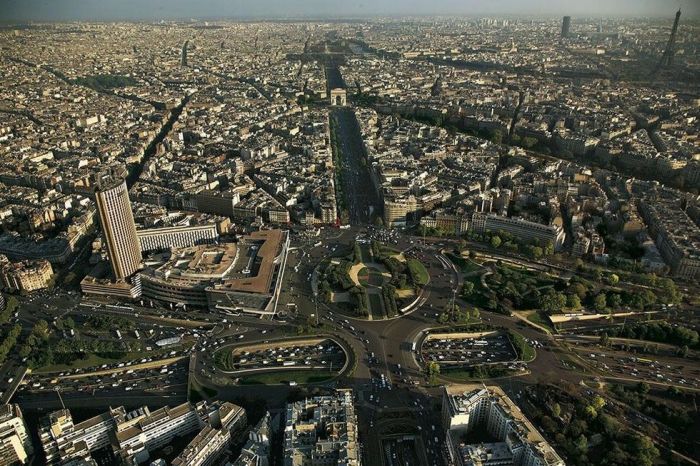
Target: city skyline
(424,241)
(153,10)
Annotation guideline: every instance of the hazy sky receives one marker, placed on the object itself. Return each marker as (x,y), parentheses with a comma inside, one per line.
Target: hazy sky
(60,10)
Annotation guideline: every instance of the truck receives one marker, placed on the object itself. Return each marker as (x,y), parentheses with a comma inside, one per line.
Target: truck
(413,346)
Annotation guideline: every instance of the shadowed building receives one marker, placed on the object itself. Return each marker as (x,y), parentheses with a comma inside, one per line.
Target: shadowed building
(566,26)
(667,57)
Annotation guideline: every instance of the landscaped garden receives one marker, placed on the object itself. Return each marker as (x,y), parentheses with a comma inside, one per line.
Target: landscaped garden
(372,281)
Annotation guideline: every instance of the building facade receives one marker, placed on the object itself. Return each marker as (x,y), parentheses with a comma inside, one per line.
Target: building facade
(322,430)
(15,442)
(118,227)
(25,275)
(470,407)
(156,239)
(524,230)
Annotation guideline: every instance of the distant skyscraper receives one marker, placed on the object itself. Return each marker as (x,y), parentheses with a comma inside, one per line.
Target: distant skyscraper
(118,226)
(565,26)
(667,57)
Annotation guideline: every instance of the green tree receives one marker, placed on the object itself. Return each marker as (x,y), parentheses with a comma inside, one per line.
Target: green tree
(552,301)
(591,412)
(598,402)
(528,142)
(573,301)
(495,241)
(643,449)
(643,388)
(467,288)
(597,275)
(580,290)
(581,444)
(600,302)
(536,252)
(556,410)
(548,249)
(496,136)
(609,424)
(41,329)
(69,323)
(433,372)
(615,300)
(613,279)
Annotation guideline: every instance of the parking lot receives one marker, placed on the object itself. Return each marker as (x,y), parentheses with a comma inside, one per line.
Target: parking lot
(316,354)
(494,348)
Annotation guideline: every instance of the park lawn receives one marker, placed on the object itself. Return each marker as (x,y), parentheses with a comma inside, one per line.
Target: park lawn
(418,272)
(362,275)
(389,251)
(96,361)
(528,353)
(223,359)
(465,265)
(300,377)
(89,361)
(199,392)
(365,254)
(376,309)
(470,375)
(536,318)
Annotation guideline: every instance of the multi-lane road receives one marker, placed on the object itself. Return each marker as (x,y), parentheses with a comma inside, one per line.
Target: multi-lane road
(389,382)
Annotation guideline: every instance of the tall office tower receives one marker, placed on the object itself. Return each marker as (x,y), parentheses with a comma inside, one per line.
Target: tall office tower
(118,227)
(565,26)
(667,57)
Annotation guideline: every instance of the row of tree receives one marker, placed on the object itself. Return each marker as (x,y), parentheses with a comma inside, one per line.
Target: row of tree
(10,307)
(661,332)
(9,341)
(585,433)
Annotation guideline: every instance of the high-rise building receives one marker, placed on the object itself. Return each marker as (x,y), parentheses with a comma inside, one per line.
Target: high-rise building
(670,50)
(566,26)
(15,443)
(119,229)
(470,408)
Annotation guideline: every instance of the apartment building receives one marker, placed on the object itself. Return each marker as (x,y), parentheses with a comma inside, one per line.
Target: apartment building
(467,408)
(322,430)
(524,230)
(256,451)
(27,275)
(145,430)
(676,236)
(15,442)
(63,440)
(211,443)
(156,239)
